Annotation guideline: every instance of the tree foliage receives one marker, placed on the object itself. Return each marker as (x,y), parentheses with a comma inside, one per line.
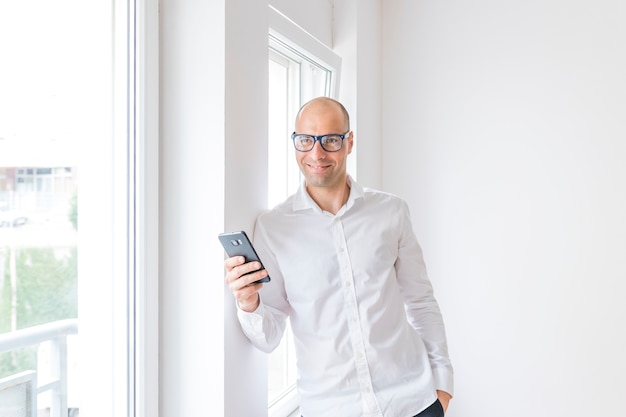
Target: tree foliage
(73,211)
(46,292)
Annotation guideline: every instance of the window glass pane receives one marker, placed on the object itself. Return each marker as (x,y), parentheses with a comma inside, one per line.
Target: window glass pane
(278,128)
(49,88)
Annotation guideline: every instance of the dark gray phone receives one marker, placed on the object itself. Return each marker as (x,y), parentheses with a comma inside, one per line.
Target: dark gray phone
(238,244)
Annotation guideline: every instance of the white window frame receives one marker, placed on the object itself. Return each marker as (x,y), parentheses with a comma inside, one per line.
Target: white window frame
(145,327)
(142,131)
(290,34)
(290,40)
(134,241)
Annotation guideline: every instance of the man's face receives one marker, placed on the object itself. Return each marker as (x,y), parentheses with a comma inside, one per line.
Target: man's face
(321,168)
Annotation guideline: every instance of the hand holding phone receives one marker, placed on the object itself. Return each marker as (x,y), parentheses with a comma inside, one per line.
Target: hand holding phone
(238,244)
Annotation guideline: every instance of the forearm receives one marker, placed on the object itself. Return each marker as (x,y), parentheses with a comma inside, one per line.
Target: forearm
(264,327)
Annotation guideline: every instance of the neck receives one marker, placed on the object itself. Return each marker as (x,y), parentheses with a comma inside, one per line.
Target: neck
(330,199)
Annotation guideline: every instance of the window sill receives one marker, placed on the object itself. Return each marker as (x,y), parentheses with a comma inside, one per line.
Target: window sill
(286,406)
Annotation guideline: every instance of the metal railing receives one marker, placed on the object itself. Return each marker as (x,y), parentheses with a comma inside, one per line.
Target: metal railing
(56,332)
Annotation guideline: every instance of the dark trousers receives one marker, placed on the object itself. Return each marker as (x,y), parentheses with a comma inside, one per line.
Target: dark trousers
(435,410)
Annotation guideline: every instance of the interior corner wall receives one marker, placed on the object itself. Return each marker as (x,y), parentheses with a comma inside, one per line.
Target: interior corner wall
(245,196)
(191,300)
(358,40)
(505,132)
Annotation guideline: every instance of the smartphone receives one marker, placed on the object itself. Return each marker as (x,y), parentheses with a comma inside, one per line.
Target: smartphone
(238,244)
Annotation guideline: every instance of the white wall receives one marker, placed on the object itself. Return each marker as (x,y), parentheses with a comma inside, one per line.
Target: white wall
(504,129)
(245,193)
(191,328)
(357,39)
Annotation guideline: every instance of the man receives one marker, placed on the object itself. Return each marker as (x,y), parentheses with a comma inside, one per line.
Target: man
(348,271)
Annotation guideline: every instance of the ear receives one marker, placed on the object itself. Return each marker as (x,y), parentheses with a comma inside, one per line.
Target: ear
(350,141)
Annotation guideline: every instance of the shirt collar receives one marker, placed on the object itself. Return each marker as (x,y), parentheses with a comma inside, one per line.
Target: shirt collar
(303,201)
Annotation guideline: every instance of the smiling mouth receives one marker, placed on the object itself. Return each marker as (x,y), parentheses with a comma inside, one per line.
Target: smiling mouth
(319,168)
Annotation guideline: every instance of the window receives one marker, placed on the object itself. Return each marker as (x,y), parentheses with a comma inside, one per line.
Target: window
(69,187)
(298,72)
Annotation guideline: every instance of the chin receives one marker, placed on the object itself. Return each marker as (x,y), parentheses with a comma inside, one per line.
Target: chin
(317,181)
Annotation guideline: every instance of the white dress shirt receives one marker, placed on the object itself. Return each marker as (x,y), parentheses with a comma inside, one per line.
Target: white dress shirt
(369,336)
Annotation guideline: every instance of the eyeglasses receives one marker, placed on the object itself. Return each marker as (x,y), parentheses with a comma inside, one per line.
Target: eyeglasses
(330,143)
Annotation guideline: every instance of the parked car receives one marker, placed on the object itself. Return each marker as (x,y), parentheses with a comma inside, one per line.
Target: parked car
(12,218)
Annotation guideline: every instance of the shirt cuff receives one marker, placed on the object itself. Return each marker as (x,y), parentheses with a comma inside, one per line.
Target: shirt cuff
(252,322)
(444,380)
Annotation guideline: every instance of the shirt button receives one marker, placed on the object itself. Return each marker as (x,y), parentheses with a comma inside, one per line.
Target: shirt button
(348,283)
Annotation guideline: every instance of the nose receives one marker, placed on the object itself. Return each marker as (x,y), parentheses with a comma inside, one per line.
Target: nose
(317,152)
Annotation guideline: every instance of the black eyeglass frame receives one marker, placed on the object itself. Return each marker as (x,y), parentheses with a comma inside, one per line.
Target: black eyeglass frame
(320,140)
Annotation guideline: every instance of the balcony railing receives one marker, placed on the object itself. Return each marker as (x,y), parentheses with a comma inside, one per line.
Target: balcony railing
(56,333)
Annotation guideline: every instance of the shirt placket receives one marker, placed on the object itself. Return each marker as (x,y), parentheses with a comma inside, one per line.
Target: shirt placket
(368,398)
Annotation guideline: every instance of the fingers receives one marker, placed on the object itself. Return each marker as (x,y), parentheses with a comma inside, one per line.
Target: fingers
(230,263)
(243,273)
(240,277)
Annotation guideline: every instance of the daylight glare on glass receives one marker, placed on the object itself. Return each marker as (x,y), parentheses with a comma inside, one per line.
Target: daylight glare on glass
(47,103)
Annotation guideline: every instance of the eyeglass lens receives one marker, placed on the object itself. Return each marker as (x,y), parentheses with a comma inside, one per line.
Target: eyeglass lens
(330,143)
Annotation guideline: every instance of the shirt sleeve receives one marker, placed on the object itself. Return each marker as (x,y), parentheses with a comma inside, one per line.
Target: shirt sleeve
(265,326)
(262,329)
(421,306)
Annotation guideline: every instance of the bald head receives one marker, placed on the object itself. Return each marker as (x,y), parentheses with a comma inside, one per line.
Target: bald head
(321,105)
